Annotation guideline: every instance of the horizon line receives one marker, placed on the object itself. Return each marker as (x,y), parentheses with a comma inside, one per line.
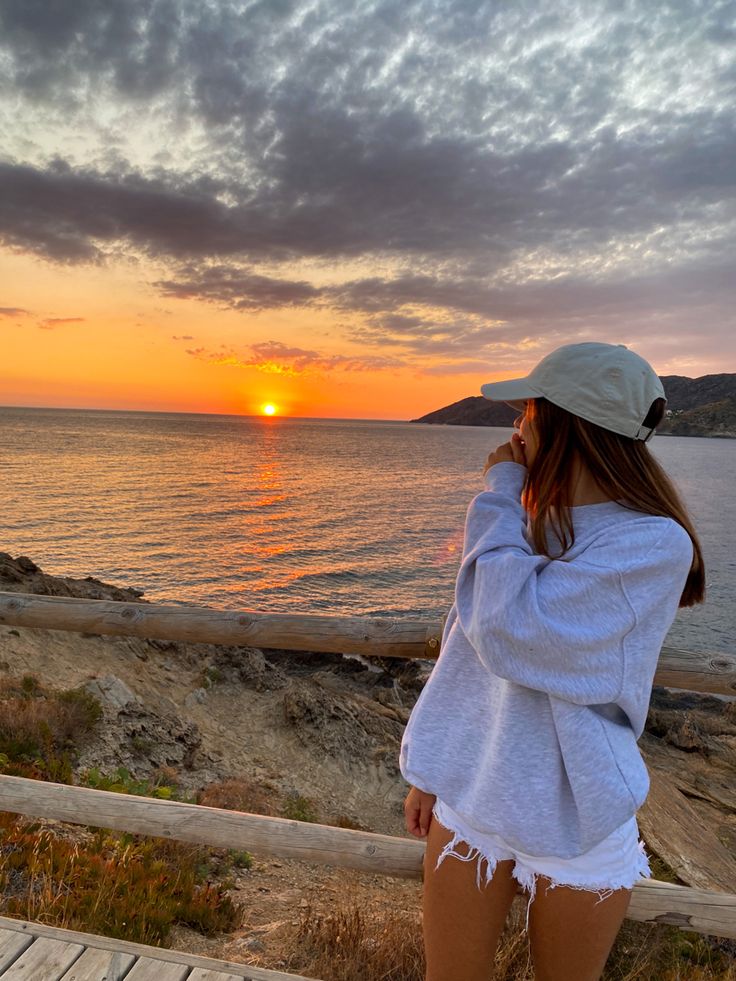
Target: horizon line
(182,412)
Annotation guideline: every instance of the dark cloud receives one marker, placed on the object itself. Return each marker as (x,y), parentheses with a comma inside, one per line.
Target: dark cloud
(570,296)
(59,50)
(72,215)
(13,312)
(236,288)
(539,168)
(486,319)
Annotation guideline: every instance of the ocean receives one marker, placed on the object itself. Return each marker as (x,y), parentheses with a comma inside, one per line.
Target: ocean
(283,515)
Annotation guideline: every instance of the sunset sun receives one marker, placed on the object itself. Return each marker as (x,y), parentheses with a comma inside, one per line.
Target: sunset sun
(269,409)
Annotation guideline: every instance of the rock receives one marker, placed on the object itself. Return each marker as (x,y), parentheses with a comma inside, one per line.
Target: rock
(163,645)
(166,706)
(247,666)
(139,736)
(693,722)
(167,740)
(195,697)
(689,747)
(10,573)
(339,726)
(668,822)
(26,564)
(112,692)
(24,576)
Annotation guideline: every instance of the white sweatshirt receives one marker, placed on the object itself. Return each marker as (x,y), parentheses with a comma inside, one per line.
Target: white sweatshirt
(528,725)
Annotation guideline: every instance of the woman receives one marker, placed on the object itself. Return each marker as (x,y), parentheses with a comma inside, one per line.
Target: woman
(521,750)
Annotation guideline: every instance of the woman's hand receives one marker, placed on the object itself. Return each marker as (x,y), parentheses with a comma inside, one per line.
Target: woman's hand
(418,811)
(511,452)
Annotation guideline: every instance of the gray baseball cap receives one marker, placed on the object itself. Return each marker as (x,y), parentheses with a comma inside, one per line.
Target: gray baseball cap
(606,384)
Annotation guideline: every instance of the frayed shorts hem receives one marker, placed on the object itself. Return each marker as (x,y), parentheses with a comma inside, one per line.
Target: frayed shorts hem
(492,852)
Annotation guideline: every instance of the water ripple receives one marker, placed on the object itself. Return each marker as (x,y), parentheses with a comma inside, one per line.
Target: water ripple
(344,517)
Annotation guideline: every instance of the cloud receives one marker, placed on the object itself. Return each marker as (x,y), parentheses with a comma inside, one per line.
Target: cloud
(51,323)
(237,288)
(58,52)
(75,215)
(514,171)
(274,357)
(13,312)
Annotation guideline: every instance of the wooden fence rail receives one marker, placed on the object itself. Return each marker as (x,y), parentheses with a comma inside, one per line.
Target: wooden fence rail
(698,910)
(652,901)
(287,631)
(369,636)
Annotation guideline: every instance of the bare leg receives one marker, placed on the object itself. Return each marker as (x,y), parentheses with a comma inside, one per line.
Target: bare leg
(571,933)
(462,924)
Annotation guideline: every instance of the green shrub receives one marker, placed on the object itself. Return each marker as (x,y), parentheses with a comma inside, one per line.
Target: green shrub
(121,781)
(240,859)
(210,676)
(298,808)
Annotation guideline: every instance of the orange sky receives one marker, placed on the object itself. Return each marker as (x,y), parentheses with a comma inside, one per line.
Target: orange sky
(97,337)
(92,337)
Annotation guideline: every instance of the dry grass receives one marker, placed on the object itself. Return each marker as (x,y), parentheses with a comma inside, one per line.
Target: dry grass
(240,794)
(352,944)
(115,885)
(243,794)
(39,728)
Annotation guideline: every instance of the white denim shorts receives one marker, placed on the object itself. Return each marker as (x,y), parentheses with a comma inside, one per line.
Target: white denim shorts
(617,862)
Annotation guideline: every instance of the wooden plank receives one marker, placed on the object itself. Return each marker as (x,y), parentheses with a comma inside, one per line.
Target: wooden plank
(12,946)
(370,636)
(100,965)
(713,913)
(672,827)
(285,631)
(24,927)
(46,959)
(696,671)
(213,826)
(200,974)
(148,969)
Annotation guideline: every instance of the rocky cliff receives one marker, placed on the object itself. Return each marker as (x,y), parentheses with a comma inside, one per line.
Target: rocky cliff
(717,419)
(704,406)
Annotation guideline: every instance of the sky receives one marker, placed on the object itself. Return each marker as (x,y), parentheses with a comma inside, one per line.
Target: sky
(357,210)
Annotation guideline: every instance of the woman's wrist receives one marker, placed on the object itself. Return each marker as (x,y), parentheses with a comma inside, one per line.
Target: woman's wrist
(506,478)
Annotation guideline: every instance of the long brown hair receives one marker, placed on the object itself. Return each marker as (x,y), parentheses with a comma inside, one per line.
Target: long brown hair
(623,468)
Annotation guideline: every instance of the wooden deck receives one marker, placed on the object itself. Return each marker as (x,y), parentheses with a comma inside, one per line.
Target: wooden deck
(34,952)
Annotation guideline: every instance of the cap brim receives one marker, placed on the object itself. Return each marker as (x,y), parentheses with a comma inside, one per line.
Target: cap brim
(513,391)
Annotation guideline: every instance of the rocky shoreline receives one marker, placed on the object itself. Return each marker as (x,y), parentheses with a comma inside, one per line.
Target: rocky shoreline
(320,725)
(328,728)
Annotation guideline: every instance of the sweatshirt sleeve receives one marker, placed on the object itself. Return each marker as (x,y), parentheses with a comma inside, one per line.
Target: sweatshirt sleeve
(558,625)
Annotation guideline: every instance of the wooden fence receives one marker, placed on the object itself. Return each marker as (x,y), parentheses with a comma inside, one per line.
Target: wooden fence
(369,636)
(652,901)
